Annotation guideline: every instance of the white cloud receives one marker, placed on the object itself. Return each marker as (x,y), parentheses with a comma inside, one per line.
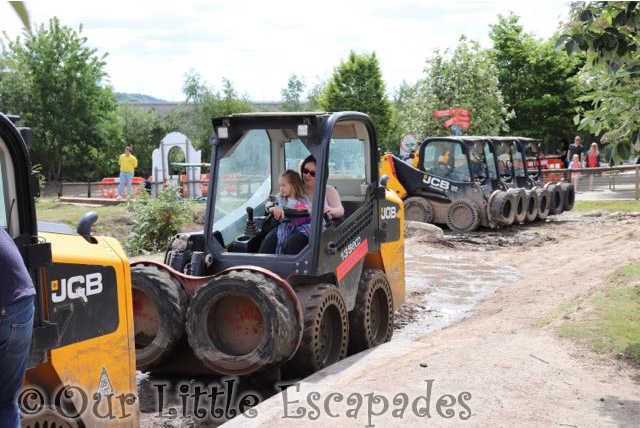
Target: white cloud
(258,44)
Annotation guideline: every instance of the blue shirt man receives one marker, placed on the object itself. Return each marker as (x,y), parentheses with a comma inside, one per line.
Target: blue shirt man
(16,326)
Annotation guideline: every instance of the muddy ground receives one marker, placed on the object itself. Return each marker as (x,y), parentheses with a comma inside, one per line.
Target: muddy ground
(472,321)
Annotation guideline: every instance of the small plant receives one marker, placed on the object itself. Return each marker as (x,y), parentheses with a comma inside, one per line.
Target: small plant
(155,220)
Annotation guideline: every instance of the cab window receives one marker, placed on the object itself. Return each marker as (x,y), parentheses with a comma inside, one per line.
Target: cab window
(518,162)
(446,159)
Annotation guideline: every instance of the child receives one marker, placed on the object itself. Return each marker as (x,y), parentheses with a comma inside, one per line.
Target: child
(575,176)
(291,196)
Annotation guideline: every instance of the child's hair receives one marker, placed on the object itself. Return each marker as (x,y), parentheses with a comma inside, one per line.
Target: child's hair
(575,156)
(296,183)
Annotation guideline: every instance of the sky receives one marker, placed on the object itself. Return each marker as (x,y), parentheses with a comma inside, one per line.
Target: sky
(259,44)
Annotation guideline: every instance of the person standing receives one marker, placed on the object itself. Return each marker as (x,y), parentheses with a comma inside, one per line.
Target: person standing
(592,160)
(16,326)
(128,164)
(575,149)
(575,176)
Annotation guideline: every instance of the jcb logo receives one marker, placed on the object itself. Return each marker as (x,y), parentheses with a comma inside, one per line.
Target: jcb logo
(387,213)
(436,182)
(76,287)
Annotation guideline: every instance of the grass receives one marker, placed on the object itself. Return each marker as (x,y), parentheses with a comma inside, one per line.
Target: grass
(612,206)
(612,324)
(112,221)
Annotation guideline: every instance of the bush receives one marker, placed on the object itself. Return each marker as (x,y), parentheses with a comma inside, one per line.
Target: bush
(155,220)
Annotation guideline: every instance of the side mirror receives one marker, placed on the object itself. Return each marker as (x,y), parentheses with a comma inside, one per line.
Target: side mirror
(84,226)
(384,180)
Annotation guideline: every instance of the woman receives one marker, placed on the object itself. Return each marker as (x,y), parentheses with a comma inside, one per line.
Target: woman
(332,206)
(592,160)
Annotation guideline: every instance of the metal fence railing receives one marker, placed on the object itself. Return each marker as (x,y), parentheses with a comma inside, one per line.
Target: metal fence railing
(619,182)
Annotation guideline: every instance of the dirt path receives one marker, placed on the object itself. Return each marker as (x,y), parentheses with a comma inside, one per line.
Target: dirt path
(507,355)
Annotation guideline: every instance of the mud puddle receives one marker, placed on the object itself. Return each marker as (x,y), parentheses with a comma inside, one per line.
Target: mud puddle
(442,289)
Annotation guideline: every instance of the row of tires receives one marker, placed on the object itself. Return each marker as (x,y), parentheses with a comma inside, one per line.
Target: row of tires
(503,208)
(243,322)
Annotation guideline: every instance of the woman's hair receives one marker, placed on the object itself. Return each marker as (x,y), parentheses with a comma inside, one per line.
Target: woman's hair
(308,159)
(296,183)
(596,145)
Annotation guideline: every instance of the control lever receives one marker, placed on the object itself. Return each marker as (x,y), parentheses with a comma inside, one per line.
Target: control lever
(327,219)
(250,228)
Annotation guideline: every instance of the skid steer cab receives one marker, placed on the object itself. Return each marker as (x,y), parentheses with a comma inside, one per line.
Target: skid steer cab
(82,341)
(243,309)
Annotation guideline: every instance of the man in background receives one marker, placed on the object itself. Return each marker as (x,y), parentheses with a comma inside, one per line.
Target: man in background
(128,164)
(16,326)
(576,149)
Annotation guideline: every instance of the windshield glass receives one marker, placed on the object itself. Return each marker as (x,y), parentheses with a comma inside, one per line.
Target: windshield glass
(446,159)
(504,159)
(244,180)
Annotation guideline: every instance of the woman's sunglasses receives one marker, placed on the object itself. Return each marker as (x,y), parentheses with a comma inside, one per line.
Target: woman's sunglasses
(311,173)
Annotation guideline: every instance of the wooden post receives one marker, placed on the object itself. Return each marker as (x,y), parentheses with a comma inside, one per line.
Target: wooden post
(637,182)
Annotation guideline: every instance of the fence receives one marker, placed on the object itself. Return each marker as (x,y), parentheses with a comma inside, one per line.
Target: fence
(617,182)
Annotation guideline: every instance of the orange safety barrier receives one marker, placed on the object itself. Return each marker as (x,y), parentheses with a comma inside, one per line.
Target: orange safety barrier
(108,186)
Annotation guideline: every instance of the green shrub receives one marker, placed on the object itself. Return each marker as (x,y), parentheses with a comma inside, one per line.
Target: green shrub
(155,220)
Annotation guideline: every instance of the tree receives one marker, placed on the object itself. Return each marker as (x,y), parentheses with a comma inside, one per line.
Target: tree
(537,81)
(142,131)
(57,84)
(356,84)
(609,34)
(292,94)
(205,102)
(465,78)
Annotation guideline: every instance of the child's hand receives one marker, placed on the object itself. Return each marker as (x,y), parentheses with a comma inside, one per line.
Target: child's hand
(278,212)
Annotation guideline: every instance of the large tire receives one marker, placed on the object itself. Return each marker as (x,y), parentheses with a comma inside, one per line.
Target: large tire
(521,205)
(326,330)
(557,199)
(371,321)
(503,208)
(49,417)
(544,202)
(159,309)
(569,194)
(242,322)
(533,205)
(463,216)
(419,209)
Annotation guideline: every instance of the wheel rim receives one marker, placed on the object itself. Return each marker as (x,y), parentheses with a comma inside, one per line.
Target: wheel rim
(146,319)
(414,213)
(235,324)
(462,217)
(379,319)
(329,340)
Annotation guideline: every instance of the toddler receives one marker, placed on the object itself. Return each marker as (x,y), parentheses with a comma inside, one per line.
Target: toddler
(291,196)
(575,176)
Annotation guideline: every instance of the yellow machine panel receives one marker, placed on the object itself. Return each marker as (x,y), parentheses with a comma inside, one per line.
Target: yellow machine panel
(88,294)
(386,168)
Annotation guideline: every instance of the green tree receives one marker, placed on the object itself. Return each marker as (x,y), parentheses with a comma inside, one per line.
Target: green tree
(203,103)
(357,84)
(609,34)
(315,95)
(142,131)
(57,84)
(292,94)
(465,78)
(537,81)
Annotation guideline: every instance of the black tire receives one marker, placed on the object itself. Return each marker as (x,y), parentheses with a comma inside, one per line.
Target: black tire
(159,310)
(242,322)
(521,205)
(419,209)
(371,320)
(503,208)
(544,202)
(463,216)
(569,194)
(556,199)
(533,205)
(326,330)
